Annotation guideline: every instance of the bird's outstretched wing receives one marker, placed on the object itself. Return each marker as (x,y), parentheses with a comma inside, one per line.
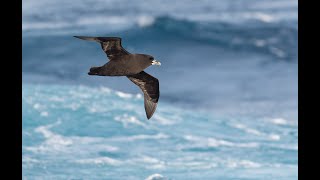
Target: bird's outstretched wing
(110,45)
(150,88)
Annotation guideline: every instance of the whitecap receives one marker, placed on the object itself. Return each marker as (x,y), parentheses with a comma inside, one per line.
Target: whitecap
(80,95)
(147,159)
(27,159)
(144,21)
(240,163)
(96,108)
(96,20)
(263,17)
(141,137)
(44,25)
(163,121)
(123,95)
(260,42)
(73,106)
(156,177)
(44,114)
(279,121)
(138,96)
(36,106)
(53,142)
(99,160)
(278,52)
(247,129)
(148,162)
(56,99)
(197,161)
(293,147)
(274,137)
(105,90)
(126,119)
(249,164)
(212,142)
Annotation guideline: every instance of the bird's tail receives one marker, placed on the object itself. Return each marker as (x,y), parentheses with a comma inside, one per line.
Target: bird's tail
(94,71)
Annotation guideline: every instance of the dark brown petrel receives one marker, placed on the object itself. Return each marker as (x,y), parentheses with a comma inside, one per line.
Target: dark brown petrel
(122,63)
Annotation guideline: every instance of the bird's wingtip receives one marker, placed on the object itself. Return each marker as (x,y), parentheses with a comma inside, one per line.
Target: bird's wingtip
(87,38)
(150,108)
(79,37)
(149,116)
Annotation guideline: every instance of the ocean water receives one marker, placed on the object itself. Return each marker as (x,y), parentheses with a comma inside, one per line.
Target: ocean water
(228,84)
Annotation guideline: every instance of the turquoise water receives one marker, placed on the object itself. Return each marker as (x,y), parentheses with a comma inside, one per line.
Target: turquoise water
(81,132)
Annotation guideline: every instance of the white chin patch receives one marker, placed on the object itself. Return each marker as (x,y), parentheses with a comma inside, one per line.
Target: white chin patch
(155,62)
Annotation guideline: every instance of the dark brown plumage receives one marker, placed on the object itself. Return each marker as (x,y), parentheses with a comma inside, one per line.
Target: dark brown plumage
(122,63)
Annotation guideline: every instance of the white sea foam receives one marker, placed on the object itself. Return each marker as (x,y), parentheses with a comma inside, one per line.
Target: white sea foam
(138,96)
(212,142)
(146,161)
(56,99)
(293,147)
(241,163)
(117,21)
(164,121)
(100,160)
(210,162)
(96,20)
(144,21)
(53,142)
(44,25)
(272,136)
(126,120)
(140,137)
(264,17)
(247,129)
(279,121)
(156,177)
(96,108)
(26,159)
(278,52)
(123,95)
(56,143)
(191,163)
(44,114)
(73,106)
(195,166)
(36,106)
(105,90)
(260,42)
(79,94)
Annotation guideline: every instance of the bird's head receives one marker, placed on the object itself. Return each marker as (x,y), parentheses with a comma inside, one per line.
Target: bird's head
(143,61)
(147,60)
(154,62)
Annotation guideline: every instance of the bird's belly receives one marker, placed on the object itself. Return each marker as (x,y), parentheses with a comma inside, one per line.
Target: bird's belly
(119,69)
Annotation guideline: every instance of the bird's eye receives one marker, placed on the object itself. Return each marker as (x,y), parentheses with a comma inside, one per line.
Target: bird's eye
(151,58)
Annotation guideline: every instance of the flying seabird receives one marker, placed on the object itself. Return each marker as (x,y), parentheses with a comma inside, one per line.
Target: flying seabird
(123,63)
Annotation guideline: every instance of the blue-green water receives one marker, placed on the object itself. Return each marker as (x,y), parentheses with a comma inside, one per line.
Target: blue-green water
(80,132)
